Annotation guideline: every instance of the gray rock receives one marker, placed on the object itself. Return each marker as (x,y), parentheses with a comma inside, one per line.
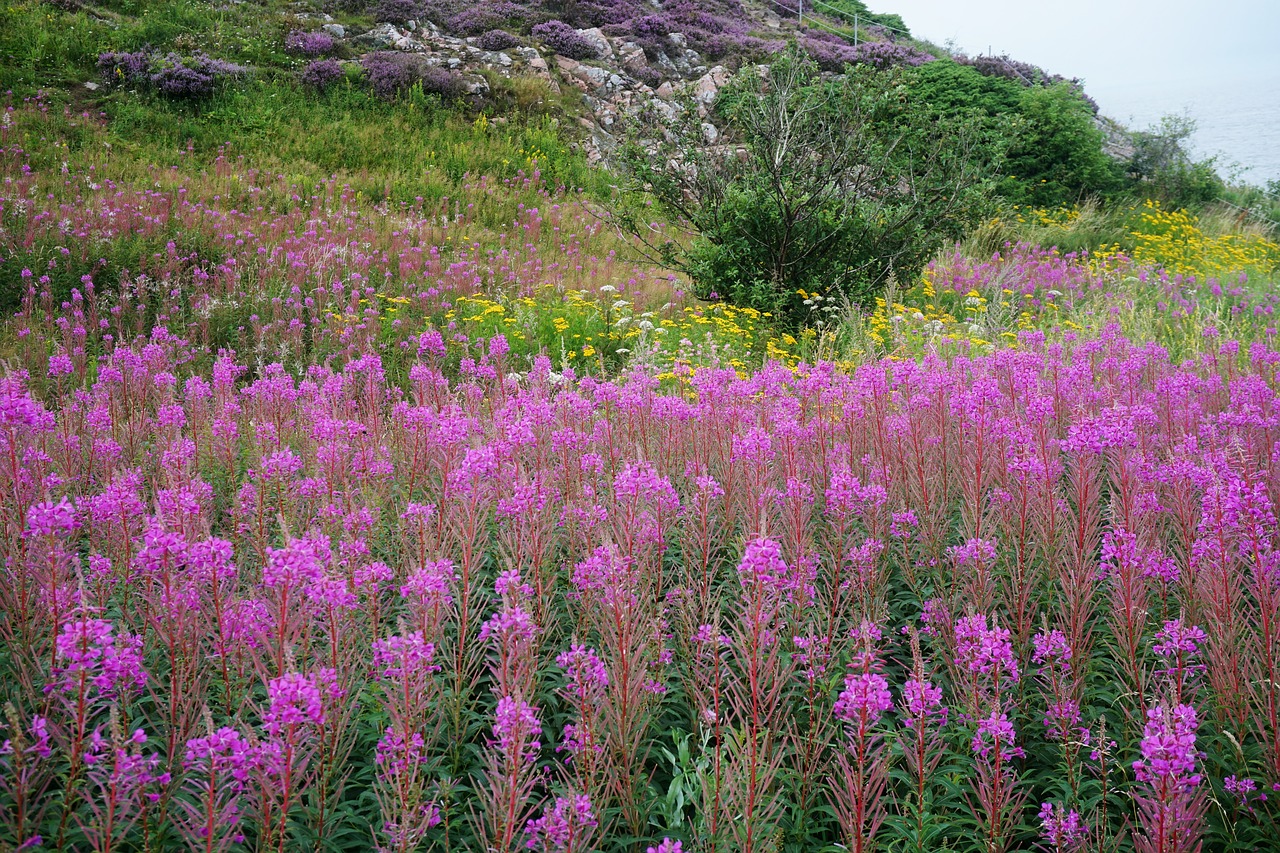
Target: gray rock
(336,30)
(631,53)
(383,36)
(708,85)
(475,86)
(91,86)
(603,49)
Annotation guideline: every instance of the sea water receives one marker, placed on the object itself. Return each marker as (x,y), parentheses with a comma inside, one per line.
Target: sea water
(1237,118)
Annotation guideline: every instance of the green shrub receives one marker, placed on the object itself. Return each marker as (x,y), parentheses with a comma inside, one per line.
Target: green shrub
(820,186)
(1164,169)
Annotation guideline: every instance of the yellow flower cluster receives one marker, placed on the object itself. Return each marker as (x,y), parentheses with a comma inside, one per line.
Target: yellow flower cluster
(1174,240)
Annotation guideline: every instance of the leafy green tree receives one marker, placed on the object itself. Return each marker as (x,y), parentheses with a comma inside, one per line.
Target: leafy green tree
(816,185)
(1164,169)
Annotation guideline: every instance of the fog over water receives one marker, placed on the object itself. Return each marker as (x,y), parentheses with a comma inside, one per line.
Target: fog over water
(1139,59)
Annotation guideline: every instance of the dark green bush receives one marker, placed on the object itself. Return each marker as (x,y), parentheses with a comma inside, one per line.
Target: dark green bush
(827,186)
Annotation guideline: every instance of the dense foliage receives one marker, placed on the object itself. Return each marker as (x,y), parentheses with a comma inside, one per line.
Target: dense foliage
(1055,153)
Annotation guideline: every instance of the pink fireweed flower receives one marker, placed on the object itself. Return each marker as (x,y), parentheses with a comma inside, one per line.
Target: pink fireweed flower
(301,561)
(922,700)
(706,635)
(1052,650)
(610,575)
(1243,790)
(222,753)
(35,743)
(516,729)
(130,769)
(975,552)
(574,739)
(996,731)
(510,627)
(862,562)
(510,586)
(294,701)
(902,523)
(1061,718)
(404,657)
(52,519)
(584,669)
(396,755)
(1169,747)
(1179,645)
(563,827)
(667,846)
(430,585)
(1063,830)
(1176,639)
(984,650)
(814,654)
(1160,567)
(933,617)
(864,699)
(90,651)
(763,568)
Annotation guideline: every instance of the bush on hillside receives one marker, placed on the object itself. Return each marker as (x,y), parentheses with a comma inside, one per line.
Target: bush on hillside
(1055,147)
(497,40)
(441,81)
(475,20)
(1024,73)
(836,187)
(1164,169)
(172,75)
(308,43)
(391,74)
(124,68)
(1056,154)
(398,12)
(565,40)
(887,54)
(321,74)
(829,56)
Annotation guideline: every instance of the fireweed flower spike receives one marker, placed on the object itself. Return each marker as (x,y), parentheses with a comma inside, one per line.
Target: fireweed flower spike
(857,793)
(1062,828)
(1172,803)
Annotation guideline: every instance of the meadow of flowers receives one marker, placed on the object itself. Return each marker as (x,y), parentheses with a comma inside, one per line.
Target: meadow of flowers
(438,526)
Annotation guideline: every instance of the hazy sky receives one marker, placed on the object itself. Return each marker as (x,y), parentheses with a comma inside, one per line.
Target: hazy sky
(1111,44)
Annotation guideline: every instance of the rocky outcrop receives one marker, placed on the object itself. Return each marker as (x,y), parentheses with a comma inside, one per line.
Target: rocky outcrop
(622,85)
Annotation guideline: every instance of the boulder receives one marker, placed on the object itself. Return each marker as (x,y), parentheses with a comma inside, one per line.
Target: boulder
(598,40)
(387,37)
(709,85)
